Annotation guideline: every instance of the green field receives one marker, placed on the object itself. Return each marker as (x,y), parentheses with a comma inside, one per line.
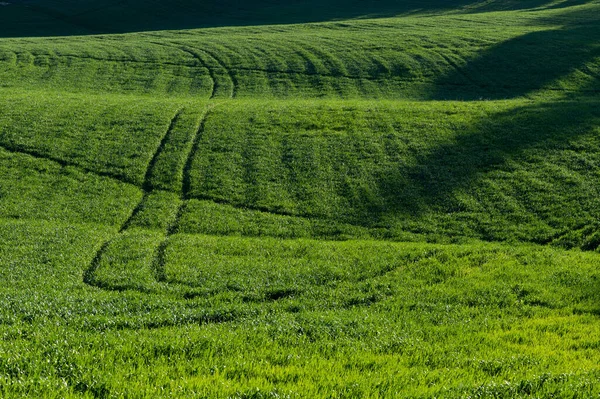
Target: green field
(318,199)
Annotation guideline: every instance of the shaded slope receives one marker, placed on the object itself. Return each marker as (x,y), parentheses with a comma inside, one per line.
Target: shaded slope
(440,171)
(560,58)
(70,17)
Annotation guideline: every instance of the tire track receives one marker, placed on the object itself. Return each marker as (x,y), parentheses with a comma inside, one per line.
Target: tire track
(469,82)
(138,208)
(234,82)
(211,72)
(90,273)
(199,60)
(89,276)
(159,262)
(216,86)
(187,168)
(147,185)
(194,147)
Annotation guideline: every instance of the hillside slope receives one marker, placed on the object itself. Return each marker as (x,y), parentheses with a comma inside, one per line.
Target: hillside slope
(399,200)
(457,56)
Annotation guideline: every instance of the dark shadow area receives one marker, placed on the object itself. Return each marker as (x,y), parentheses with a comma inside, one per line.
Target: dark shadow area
(508,5)
(566,3)
(485,147)
(512,69)
(573,17)
(523,65)
(30,18)
(521,174)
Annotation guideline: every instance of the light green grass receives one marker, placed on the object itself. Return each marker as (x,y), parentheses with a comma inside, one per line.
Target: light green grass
(398,200)
(238,316)
(109,135)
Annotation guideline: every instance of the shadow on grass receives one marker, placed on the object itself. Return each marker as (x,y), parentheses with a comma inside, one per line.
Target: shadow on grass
(523,65)
(27,18)
(553,122)
(566,3)
(489,145)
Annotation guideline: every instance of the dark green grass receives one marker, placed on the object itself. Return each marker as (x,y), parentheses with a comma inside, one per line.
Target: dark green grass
(510,171)
(71,17)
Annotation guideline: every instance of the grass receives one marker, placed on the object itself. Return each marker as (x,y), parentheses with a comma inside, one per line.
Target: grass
(37,18)
(106,135)
(417,319)
(435,170)
(364,201)
(491,55)
(34,189)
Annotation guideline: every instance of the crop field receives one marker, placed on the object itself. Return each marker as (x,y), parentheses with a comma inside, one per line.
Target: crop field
(317,199)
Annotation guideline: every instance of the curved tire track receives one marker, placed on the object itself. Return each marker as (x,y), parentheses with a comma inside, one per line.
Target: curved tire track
(159,262)
(89,276)
(218,65)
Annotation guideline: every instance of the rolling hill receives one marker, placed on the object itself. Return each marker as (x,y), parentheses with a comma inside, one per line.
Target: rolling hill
(309,199)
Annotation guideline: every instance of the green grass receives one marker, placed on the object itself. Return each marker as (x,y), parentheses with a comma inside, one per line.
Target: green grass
(43,18)
(466,55)
(237,316)
(108,135)
(437,170)
(334,200)
(34,189)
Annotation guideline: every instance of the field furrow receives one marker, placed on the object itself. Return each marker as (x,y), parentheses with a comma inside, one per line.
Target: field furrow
(134,259)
